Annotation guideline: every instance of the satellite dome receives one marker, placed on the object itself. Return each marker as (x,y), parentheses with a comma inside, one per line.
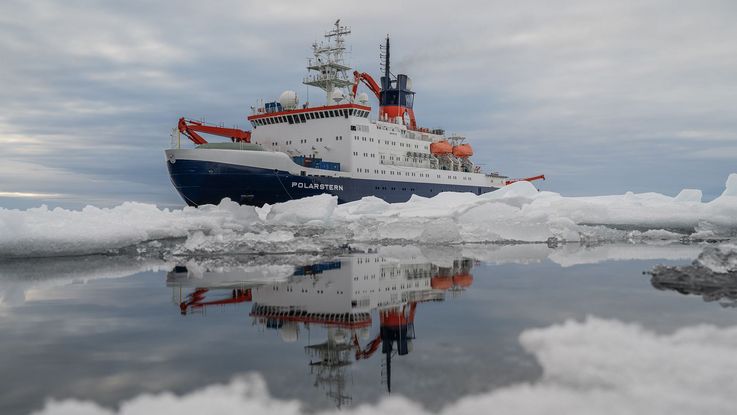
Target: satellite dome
(337,95)
(363,98)
(288,100)
(289,332)
(340,337)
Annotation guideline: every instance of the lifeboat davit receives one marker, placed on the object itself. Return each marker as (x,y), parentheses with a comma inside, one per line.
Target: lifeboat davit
(441,148)
(463,150)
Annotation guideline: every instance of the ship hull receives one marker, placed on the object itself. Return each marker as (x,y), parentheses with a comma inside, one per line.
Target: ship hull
(201,182)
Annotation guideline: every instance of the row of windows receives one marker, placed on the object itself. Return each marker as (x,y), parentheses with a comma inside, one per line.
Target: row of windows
(407,174)
(305,140)
(387,142)
(306,116)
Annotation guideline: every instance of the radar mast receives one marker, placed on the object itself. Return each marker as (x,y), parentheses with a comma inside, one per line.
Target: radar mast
(329,64)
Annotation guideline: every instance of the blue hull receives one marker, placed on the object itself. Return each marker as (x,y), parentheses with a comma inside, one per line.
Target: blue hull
(204,182)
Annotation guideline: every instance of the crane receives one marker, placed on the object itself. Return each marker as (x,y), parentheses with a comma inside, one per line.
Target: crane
(196,299)
(526,179)
(190,128)
(368,81)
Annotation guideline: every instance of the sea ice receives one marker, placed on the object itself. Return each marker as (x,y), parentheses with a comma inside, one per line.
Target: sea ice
(515,213)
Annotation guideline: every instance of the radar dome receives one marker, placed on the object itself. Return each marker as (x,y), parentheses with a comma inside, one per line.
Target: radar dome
(288,100)
(363,98)
(409,84)
(337,95)
(289,332)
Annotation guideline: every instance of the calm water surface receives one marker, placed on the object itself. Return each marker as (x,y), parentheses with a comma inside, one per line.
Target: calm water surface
(432,324)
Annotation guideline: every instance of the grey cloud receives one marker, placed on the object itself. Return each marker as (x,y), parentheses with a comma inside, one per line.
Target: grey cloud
(94,87)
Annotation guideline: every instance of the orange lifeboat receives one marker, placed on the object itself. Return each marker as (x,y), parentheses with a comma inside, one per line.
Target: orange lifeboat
(463,150)
(463,280)
(439,282)
(441,148)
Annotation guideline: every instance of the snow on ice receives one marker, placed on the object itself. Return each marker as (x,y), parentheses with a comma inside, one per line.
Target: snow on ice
(515,213)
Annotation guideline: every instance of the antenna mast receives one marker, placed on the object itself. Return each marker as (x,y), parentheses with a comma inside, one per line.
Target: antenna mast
(384,56)
(328,63)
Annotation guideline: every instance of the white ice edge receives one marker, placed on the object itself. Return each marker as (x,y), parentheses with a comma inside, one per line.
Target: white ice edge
(514,213)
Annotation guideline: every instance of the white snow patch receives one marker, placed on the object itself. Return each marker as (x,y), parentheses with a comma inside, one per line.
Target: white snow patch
(595,366)
(314,210)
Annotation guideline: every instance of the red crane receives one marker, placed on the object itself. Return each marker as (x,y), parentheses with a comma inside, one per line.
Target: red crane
(396,318)
(368,81)
(526,179)
(190,128)
(197,299)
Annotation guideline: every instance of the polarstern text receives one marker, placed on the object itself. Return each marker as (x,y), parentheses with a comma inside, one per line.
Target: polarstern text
(318,186)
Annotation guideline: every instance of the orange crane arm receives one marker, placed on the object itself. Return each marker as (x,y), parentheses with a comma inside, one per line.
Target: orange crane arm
(392,317)
(526,179)
(197,297)
(370,349)
(190,128)
(368,81)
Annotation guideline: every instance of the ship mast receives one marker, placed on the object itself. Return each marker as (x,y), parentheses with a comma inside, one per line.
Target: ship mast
(329,65)
(386,81)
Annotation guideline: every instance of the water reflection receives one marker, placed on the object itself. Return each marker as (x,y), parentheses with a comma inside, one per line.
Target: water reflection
(344,297)
(697,280)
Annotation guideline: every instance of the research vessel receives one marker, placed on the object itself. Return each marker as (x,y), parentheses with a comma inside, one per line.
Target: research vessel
(340,147)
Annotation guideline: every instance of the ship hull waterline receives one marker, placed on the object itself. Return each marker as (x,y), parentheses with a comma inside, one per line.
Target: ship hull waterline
(201,182)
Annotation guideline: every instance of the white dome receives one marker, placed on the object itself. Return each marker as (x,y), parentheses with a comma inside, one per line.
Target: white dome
(289,332)
(363,98)
(288,100)
(409,83)
(337,95)
(340,337)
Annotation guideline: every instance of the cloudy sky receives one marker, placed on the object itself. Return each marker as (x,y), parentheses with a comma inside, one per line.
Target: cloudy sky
(602,97)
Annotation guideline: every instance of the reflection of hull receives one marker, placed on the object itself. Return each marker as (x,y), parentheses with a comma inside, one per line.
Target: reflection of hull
(206,177)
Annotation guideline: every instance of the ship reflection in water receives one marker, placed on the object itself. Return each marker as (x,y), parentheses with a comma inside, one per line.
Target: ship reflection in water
(344,296)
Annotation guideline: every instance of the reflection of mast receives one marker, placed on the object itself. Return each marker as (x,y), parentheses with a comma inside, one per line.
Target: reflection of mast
(397,326)
(339,296)
(329,370)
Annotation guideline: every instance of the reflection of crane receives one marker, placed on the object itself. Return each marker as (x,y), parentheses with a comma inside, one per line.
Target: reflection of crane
(196,299)
(397,325)
(191,128)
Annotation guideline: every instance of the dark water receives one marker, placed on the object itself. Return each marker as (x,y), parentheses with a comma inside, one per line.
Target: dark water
(429,324)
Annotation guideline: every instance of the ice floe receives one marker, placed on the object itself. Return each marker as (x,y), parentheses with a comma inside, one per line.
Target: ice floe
(515,213)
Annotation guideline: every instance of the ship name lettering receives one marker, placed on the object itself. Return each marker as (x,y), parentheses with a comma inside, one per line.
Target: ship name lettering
(318,186)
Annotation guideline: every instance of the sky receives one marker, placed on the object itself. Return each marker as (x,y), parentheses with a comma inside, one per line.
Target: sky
(602,97)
